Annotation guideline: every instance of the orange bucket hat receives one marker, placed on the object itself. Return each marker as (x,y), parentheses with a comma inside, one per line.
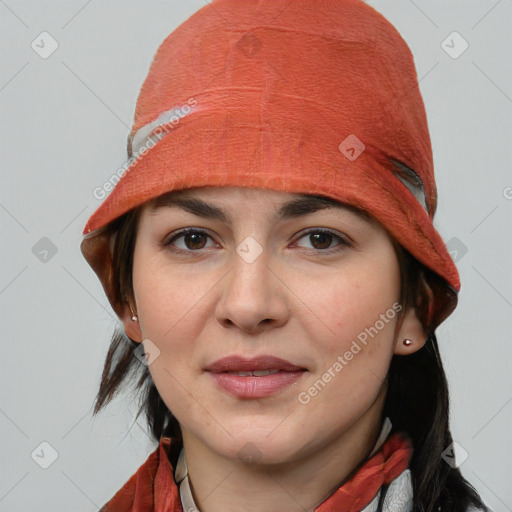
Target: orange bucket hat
(298,96)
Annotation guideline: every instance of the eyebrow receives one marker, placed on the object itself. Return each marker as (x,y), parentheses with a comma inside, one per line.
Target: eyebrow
(303,205)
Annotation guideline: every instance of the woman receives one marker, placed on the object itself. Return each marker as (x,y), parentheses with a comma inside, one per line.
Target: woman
(271,254)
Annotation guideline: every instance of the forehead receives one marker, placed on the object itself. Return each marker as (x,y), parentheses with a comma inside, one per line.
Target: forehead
(202,202)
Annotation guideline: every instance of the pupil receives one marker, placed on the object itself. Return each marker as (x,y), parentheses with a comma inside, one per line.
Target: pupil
(194,237)
(320,237)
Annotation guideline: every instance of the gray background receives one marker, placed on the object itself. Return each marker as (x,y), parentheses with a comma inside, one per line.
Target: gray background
(64,125)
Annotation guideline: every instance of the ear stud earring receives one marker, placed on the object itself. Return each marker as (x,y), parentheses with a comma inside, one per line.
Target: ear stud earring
(407,342)
(134,316)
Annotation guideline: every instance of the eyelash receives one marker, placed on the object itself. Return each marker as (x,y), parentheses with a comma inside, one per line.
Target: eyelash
(187,231)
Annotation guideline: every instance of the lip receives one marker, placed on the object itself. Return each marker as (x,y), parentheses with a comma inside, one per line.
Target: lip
(253,386)
(242,364)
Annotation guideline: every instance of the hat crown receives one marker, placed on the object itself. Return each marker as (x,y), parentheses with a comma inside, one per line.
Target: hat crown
(346,65)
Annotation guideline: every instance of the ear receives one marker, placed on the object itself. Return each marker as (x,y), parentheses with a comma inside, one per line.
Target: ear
(131,326)
(411,329)
(97,251)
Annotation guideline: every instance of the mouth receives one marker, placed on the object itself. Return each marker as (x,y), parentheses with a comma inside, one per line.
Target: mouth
(256,373)
(258,366)
(259,377)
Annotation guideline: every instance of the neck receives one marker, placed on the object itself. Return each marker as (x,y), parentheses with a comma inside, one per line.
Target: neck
(219,483)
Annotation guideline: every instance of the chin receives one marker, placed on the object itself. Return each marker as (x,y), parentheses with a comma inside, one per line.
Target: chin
(261,443)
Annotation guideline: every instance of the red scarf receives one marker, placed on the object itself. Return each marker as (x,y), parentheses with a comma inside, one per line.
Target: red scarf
(153,488)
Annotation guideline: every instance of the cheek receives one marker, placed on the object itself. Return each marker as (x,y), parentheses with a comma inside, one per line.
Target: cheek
(168,304)
(174,305)
(353,305)
(163,293)
(359,313)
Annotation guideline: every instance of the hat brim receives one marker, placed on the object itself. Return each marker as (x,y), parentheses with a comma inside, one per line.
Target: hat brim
(231,148)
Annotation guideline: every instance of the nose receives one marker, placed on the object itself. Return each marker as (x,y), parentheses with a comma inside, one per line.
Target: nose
(254,297)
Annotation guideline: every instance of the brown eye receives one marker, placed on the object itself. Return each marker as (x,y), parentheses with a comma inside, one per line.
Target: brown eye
(194,240)
(190,240)
(321,240)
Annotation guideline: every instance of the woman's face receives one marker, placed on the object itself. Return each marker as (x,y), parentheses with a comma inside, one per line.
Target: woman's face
(268,282)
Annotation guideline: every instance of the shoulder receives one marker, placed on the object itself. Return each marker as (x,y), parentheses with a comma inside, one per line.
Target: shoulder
(141,490)
(124,499)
